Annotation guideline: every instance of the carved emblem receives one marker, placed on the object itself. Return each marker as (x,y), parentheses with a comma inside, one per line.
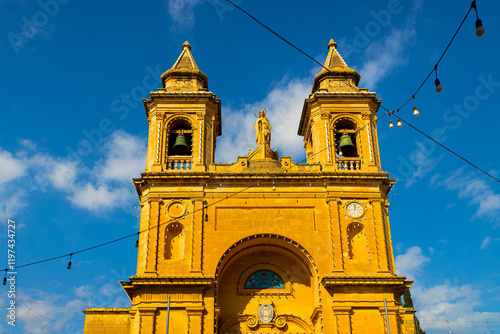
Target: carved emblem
(266,313)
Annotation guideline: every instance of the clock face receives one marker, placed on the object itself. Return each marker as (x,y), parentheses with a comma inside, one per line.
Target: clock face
(355,210)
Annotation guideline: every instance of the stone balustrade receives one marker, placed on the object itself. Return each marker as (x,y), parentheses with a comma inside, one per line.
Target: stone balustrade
(349,164)
(179,163)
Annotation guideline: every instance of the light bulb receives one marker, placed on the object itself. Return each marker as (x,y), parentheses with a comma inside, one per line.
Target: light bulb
(399,123)
(479,28)
(5,280)
(391,125)
(274,187)
(415,111)
(137,243)
(69,265)
(439,88)
(206,217)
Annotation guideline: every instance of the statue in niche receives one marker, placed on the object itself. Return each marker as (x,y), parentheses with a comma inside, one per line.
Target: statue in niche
(262,129)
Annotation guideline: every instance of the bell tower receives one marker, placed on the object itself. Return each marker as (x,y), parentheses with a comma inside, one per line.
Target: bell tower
(338,120)
(184,119)
(264,244)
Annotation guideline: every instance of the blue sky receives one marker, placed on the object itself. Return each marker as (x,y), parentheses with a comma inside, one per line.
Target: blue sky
(73,133)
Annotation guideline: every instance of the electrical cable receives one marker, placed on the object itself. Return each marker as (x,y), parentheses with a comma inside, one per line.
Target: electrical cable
(449,150)
(412,97)
(249,187)
(473,5)
(149,228)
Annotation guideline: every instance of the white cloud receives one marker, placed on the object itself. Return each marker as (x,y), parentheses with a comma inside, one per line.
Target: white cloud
(411,263)
(182,12)
(485,243)
(126,157)
(99,197)
(105,185)
(420,158)
(40,312)
(383,57)
(441,303)
(11,201)
(35,310)
(10,167)
(437,304)
(480,193)
(284,106)
(49,171)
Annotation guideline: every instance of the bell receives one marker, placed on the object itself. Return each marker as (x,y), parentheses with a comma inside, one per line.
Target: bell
(180,147)
(346,146)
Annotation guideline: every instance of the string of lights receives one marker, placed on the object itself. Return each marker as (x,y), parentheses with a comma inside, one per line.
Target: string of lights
(271,176)
(479,32)
(439,88)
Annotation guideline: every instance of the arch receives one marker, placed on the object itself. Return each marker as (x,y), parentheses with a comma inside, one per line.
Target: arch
(174,241)
(281,255)
(177,126)
(357,241)
(342,127)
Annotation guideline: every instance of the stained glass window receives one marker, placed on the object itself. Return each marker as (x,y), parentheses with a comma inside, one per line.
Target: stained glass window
(264,279)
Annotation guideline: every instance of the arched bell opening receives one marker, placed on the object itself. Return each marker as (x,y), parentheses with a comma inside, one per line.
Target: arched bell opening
(261,277)
(345,138)
(180,137)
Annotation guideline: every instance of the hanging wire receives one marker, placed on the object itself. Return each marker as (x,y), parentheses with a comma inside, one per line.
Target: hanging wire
(46,318)
(473,5)
(251,186)
(451,151)
(156,226)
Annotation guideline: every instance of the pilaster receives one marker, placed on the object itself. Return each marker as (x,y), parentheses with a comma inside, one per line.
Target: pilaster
(195,319)
(342,320)
(380,236)
(334,205)
(153,235)
(147,320)
(199,211)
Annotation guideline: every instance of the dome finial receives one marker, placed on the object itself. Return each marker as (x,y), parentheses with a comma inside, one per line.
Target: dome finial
(186,45)
(332,44)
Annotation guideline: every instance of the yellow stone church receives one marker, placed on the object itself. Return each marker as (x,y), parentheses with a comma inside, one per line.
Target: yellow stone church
(264,244)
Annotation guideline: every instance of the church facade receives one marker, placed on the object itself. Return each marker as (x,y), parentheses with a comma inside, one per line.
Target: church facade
(264,244)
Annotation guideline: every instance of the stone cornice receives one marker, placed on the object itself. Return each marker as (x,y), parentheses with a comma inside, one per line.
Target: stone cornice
(182,94)
(151,282)
(263,175)
(340,281)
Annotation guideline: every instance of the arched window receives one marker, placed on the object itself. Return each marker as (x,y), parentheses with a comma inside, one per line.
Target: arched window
(264,279)
(174,241)
(180,137)
(345,138)
(357,241)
